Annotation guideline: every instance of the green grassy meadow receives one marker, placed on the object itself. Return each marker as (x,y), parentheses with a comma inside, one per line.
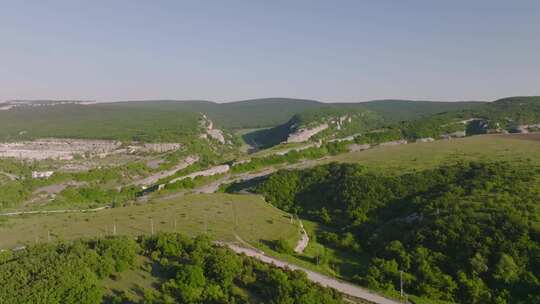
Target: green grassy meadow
(221,216)
(419,156)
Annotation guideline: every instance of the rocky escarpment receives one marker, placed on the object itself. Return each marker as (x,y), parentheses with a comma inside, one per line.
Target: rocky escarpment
(69,149)
(59,149)
(335,125)
(155,147)
(210,131)
(150,180)
(208,172)
(305,134)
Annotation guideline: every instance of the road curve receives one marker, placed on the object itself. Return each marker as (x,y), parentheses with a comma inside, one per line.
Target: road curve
(345,288)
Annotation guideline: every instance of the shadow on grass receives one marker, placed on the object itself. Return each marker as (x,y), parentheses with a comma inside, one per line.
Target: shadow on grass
(245,186)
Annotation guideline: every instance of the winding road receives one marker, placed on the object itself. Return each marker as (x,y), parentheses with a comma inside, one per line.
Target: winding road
(343,287)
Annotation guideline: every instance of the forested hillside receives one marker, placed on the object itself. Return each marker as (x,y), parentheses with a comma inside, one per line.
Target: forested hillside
(410,120)
(142,119)
(341,121)
(189,271)
(515,114)
(467,233)
(255,113)
(511,112)
(159,122)
(400,110)
(178,121)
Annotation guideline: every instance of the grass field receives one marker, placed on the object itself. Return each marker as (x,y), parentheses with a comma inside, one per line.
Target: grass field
(418,156)
(222,216)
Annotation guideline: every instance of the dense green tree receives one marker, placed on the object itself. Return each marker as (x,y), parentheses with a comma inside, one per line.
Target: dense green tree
(193,271)
(465,232)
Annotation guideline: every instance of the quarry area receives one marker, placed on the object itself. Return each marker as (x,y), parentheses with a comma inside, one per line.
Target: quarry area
(69,149)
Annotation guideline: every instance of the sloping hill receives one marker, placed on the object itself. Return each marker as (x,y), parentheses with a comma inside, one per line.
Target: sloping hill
(398,110)
(170,120)
(245,114)
(326,122)
(464,233)
(269,112)
(514,114)
(259,113)
(120,121)
(375,114)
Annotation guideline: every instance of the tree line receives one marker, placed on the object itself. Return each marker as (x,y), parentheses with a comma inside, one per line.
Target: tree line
(467,232)
(192,270)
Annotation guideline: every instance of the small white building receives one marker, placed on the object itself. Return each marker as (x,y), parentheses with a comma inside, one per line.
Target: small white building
(42,174)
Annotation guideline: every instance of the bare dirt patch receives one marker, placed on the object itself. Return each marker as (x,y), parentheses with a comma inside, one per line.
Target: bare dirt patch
(46,194)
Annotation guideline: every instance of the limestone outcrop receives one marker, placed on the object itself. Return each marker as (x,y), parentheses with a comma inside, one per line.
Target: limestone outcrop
(155,147)
(394,143)
(68,149)
(216,134)
(305,134)
(59,149)
(150,180)
(42,174)
(425,139)
(208,172)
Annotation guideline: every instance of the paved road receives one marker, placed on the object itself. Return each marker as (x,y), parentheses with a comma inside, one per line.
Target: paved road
(345,288)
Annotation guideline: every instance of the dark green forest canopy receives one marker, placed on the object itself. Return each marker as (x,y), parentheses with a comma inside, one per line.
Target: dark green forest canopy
(161,122)
(190,271)
(503,114)
(468,233)
(170,120)
(400,110)
(411,119)
(255,113)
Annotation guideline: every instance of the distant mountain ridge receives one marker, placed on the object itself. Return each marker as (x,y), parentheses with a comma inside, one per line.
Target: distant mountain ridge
(397,110)
(270,112)
(179,119)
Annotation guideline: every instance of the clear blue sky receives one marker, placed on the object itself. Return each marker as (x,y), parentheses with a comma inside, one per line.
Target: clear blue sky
(229,50)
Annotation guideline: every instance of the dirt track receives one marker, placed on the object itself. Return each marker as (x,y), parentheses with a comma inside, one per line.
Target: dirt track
(345,288)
